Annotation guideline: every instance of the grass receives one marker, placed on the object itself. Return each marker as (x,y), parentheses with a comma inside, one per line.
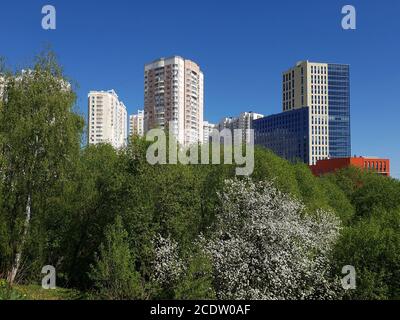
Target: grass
(36,292)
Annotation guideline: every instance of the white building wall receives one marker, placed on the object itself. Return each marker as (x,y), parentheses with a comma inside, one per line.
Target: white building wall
(243,122)
(207,130)
(107,119)
(136,124)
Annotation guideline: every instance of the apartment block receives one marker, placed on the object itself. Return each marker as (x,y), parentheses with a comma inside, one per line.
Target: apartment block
(244,122)
(107,119)
(207,131)
(136,124)
(174,98)
(227,123)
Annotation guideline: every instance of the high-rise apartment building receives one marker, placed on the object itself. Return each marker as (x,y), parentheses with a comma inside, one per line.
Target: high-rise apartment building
(136,124)
(173,98)
(207,131)
(107,119)
(243,121)
(227,123)
(325,89)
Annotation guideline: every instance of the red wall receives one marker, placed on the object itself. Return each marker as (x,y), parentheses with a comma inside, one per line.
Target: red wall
(381,166)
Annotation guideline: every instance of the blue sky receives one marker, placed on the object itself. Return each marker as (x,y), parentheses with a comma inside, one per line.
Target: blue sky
(241,46)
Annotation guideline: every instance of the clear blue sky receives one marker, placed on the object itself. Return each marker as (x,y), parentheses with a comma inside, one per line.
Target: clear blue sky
(242,47)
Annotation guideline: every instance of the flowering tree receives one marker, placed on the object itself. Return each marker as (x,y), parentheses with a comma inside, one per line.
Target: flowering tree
(266,247)
(168,267)
(189,278)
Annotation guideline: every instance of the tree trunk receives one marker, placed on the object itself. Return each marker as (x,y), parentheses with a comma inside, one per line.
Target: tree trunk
(17,260)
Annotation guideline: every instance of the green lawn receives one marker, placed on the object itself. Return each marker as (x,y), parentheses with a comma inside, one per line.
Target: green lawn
(36,292)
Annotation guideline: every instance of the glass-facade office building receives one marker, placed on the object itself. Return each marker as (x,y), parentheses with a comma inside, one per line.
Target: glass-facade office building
(287,134)
(339,110)
(316,132)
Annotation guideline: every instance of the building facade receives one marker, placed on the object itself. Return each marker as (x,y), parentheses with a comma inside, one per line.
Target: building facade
(244,122)
(325,89)
(339,110)
(174,98)
(226,123)
(136,124)
(207,131)
(380,166)
(107,119)
(287,134)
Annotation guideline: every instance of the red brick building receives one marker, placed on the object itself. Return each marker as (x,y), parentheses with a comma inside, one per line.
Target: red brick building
(381,166)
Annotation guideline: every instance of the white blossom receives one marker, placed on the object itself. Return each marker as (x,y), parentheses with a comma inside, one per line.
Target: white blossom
(266,247)
(167,265)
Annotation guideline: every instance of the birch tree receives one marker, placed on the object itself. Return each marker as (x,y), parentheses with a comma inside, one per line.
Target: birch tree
(40,136)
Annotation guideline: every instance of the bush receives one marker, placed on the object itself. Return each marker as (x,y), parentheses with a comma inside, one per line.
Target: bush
(8,293)
(114,273)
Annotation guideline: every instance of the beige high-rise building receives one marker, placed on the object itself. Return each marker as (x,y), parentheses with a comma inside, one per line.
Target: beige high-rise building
(306,85)
(173,97)
(107,119)
(136,124)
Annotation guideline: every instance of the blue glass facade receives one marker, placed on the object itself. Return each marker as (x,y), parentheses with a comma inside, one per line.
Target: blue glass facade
(339,110)
(286,134)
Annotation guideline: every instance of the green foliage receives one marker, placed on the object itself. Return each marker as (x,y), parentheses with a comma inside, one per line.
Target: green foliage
(376,194)
(372,246)
(371,241)
(297,180)
(349,179)
(337,200)
(9,293)
(269,166)
(114,273)
(197,283)
(92,199)
(40,137)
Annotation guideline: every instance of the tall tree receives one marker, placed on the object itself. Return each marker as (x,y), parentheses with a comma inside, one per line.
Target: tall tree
(40,138)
